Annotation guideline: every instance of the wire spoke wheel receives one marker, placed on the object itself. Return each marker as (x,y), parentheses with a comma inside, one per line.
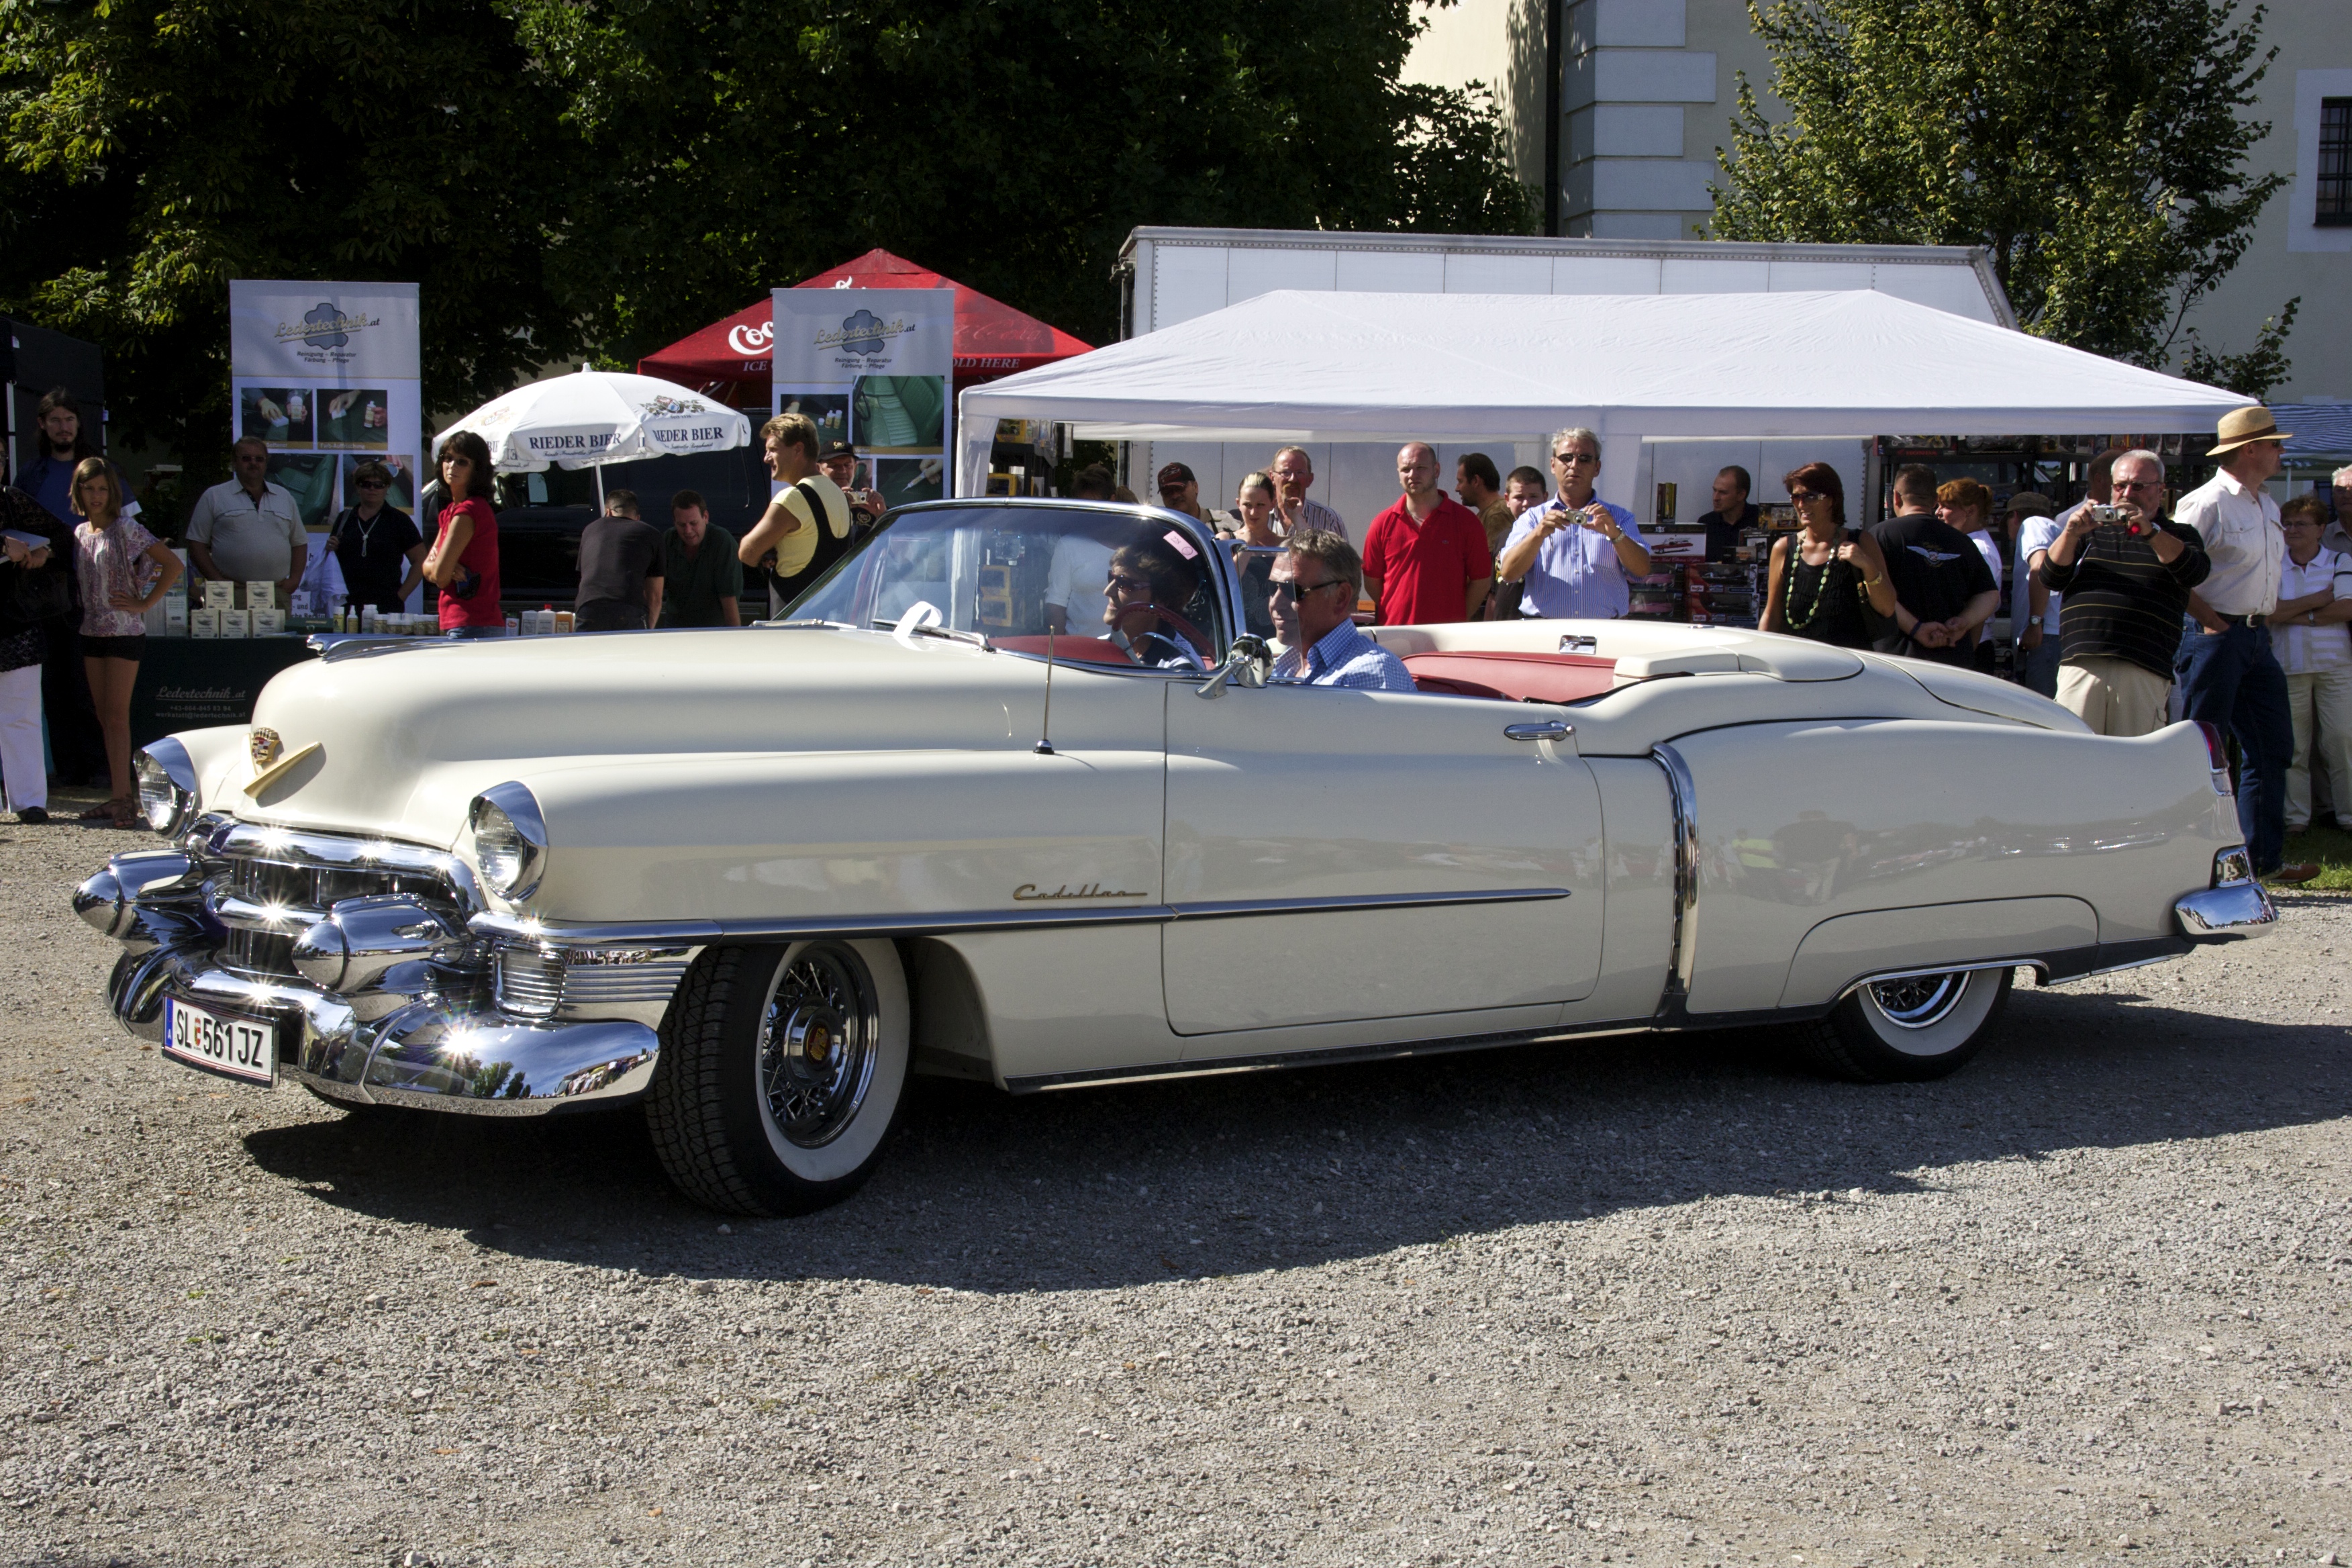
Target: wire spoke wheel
(1908,1029)
(1919,1001)
(818,1044)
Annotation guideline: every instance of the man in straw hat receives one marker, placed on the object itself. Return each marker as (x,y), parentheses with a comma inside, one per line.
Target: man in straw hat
(2229,677)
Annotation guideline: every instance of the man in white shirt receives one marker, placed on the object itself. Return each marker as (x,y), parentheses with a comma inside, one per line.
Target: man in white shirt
(2229,677)
(2033,608)
(2314,647)
(248,530)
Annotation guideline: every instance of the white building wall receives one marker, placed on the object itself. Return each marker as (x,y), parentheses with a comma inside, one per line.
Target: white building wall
(1649,88)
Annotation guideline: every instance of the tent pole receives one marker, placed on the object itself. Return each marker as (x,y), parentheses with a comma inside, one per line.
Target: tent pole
(600,489)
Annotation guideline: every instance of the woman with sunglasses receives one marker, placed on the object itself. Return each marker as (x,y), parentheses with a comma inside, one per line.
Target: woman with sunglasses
(1144,605)
(377,545)
(1824,577)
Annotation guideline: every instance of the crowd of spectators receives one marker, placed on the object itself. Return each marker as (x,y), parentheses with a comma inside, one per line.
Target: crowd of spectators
(2129,608)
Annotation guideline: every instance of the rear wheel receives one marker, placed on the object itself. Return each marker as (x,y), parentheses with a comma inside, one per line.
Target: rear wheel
(782,1068)
(1909,1031)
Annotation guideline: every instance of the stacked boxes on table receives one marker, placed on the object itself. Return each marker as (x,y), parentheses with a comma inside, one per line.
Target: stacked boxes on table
(236,610)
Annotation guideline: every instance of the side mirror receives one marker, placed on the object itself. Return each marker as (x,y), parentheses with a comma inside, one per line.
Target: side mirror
(1250,663)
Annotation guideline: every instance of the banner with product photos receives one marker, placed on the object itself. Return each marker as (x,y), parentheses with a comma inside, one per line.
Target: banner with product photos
(872,367)
(327,373)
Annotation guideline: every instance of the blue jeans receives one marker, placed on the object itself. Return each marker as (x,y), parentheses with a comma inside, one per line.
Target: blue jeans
(462,634)
(2037,669)
(2231,679)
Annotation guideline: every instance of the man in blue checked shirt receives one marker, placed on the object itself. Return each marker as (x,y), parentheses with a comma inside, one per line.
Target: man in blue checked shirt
(1575,552)
(1318,580)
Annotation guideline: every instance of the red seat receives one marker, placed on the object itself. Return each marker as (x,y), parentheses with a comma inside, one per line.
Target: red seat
(1073,649)
(1513,677)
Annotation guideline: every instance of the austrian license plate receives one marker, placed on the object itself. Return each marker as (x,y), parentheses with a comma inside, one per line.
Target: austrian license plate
(231,1044)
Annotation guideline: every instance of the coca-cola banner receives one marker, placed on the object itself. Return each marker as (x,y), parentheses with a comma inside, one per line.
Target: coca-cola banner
(870,366)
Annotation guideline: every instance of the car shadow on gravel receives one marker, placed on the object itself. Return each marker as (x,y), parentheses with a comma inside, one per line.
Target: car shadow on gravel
(1118,1185)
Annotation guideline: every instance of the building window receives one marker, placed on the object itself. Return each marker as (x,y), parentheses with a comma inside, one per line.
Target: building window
(2334,205)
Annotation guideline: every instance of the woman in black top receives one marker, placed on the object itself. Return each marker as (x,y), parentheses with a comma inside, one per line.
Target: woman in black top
(1825,575)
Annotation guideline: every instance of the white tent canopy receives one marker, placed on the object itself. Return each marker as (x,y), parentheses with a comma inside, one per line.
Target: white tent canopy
(1310,367)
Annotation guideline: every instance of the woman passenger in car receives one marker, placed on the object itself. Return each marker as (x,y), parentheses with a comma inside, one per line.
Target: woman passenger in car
(1148,587)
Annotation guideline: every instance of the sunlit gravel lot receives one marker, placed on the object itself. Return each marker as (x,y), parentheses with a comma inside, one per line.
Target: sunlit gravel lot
(1632,1301)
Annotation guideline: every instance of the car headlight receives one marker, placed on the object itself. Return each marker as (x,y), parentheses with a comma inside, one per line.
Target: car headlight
(167,786)
(510,840)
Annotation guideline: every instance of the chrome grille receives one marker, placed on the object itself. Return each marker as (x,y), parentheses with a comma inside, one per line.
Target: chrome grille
(537,982)
(271,886)
(529,981)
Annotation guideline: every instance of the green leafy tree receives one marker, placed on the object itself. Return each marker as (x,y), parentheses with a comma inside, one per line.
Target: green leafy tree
(1014,145)
(155,149)
(2095,149)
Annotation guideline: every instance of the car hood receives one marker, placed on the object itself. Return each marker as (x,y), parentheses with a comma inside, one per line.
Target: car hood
(405,738)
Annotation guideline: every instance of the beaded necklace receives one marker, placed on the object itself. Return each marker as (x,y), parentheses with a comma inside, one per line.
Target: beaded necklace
(1797,559)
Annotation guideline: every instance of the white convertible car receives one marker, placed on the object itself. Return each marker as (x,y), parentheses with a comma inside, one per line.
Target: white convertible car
(939,822)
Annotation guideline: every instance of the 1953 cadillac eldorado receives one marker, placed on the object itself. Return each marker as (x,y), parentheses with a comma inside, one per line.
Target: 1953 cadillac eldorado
(753,879)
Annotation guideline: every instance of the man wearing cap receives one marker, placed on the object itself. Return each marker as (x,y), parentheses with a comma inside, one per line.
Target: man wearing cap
(2229,676)
(839,462)
(1180,491)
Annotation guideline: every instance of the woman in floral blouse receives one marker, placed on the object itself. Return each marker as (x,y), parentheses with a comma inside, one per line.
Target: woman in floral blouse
(125,571)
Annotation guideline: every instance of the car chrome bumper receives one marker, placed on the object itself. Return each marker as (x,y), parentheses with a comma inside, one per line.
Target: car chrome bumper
(422,1035)
(2229,913)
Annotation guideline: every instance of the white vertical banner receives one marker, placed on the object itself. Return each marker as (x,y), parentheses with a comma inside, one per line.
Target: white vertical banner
(871,367)
(327,373)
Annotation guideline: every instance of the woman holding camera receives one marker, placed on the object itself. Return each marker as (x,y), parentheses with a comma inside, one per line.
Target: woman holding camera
(464,561)
(1824,577)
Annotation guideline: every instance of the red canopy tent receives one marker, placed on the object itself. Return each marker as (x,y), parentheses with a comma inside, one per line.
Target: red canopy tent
(729,359)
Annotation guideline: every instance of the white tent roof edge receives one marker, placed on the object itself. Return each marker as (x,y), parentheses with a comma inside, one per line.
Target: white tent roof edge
(1325,366)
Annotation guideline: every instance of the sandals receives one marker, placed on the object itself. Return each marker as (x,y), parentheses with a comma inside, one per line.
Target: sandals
(121,812)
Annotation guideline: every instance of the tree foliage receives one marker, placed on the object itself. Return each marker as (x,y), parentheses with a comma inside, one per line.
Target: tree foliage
(2094,148)
(155,149)
(1012,145)
(611,173)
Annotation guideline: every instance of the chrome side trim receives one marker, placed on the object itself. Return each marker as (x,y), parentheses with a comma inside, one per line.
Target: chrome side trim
(1683,791)
(1238,908)
(684,934)
(1332,1056)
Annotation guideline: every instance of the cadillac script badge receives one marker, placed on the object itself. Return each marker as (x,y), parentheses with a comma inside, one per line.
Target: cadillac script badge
(266,746)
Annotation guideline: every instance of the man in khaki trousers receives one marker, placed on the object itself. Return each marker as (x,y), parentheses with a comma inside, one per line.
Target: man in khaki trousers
(2125,582)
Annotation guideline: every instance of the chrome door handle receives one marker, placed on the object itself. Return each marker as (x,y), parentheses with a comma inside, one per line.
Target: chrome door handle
(1547,729)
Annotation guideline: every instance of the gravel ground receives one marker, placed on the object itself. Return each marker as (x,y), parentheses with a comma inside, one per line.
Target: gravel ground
(1631,1302)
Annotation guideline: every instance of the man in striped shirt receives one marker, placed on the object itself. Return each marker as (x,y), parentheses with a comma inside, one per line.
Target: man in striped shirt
(2126,586)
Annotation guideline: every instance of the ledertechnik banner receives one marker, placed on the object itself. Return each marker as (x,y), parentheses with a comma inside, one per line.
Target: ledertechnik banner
(327,373)
(871,367)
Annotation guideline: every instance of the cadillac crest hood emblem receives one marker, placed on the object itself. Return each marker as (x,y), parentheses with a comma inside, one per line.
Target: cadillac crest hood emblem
(265,745)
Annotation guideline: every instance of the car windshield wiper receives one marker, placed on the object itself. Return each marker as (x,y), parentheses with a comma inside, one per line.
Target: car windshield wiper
(976,640)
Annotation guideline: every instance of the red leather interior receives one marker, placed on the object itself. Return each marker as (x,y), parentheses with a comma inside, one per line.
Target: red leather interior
(1513,677)
(1074,649)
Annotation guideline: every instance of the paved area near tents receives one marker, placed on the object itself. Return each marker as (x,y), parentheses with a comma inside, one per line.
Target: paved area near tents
(1634,1300)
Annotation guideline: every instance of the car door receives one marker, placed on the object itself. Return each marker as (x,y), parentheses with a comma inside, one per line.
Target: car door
(1335,854)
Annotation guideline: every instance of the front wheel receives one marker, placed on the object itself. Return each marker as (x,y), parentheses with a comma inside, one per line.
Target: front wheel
(1909,1031)
(782,1069)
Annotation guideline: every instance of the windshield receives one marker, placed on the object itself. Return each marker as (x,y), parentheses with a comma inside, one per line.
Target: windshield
(1110,586)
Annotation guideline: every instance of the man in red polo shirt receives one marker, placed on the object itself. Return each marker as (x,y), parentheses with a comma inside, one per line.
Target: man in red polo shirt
(1425,558)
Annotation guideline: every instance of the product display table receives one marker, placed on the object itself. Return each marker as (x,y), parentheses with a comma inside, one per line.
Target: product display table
(190,683)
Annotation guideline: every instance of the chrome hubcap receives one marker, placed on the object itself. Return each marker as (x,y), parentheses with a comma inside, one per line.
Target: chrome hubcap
(1921,1001)
(817,1044)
